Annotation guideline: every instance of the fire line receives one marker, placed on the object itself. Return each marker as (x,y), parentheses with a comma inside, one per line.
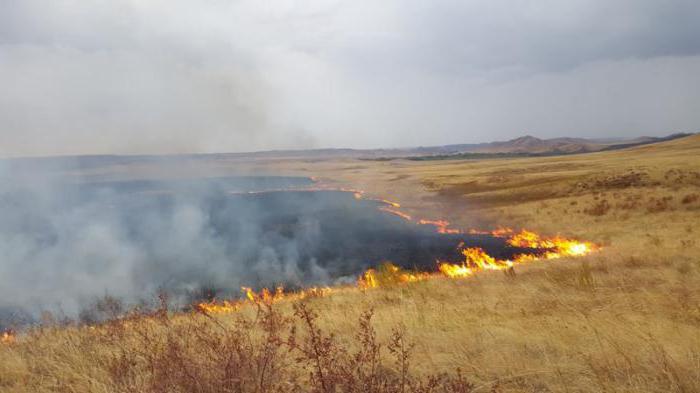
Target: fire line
(475,261)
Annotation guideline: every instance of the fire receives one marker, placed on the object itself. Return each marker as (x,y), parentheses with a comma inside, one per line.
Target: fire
(475,260)
(265,296)
(482,261)
(387,274)
(556,247)
(7,337)
(224,307)
(499,232)
(396,213)
(440,225)
(454,270)
(391,203)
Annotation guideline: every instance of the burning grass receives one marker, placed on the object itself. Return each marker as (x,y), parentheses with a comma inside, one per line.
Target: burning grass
(388,274)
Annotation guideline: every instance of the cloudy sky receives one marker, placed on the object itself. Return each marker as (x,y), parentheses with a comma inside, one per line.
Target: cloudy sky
(172,76)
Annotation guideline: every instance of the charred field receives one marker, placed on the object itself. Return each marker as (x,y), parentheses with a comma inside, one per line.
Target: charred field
(623,318)
(203,239)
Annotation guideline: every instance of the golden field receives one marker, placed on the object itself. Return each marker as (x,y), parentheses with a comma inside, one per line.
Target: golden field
(624,319)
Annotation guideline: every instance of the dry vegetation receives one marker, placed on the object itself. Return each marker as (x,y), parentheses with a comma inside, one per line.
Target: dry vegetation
(626,319)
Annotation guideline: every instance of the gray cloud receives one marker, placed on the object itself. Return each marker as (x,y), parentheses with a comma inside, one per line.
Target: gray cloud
(176,76)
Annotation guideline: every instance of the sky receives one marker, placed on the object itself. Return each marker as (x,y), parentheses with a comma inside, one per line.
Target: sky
(176,76)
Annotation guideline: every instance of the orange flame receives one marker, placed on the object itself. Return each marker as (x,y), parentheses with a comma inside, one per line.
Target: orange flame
(387,274)
(392,203)
(551,248)
(475,260)
(556,246)
(265,296)
(440,225)
(396,213)
(7,337)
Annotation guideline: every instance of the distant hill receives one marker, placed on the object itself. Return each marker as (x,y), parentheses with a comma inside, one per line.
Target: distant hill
(529,146)
(524,146)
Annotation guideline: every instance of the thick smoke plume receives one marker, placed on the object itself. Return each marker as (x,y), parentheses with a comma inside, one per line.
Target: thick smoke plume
(65,241)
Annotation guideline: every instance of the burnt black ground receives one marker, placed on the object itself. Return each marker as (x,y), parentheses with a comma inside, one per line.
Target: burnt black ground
(201,237)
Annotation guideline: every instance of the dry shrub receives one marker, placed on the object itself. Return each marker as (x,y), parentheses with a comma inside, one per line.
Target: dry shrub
(633,261)
(654,240)
(679,176)
(687,243)
(690,198)
(629,202)
(598,209)
(266,353)
(657,205)
(624,180)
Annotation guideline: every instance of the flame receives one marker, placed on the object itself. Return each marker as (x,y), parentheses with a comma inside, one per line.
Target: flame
(7,337)
(440,225)
(396,213)
(387,274)
(368,279)
(265,296)
(455,270)
(556,247)
(475,260)
(224,307)
(391,203)
(498,232)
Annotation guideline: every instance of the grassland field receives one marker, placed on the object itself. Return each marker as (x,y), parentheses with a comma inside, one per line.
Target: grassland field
(624,319)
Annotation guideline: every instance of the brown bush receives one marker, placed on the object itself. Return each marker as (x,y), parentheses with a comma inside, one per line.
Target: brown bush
(690,198)
(598,209)
(267,353)
(657,205)
(621,180)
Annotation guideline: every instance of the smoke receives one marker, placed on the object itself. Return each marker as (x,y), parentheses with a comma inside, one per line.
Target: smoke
(65,241)
(70,235)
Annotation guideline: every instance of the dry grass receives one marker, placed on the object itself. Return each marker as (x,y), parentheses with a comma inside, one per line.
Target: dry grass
(626,319)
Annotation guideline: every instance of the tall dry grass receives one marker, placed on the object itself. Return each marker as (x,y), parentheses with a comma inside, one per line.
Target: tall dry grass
(261,350)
